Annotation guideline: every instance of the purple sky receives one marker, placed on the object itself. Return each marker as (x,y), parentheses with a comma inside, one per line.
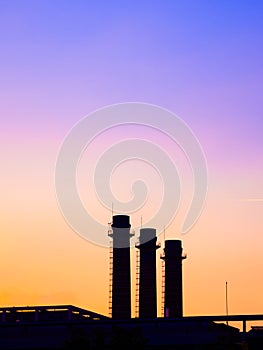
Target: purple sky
(202,60)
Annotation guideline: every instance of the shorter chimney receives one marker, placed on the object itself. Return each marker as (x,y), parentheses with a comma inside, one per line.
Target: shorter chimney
(173,293)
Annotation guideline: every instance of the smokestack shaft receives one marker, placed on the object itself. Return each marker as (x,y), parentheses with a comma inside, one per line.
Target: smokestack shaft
(147,287)
(121,279)
(173,302)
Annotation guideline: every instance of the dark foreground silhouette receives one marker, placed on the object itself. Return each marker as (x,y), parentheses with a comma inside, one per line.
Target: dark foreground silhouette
(70,327)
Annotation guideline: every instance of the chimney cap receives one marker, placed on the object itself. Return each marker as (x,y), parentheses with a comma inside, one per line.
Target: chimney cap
(173,245)
(121,221)
(147,234)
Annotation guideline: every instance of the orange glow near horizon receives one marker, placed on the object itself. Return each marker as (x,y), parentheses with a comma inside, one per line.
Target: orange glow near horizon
(63,60)
(53,265)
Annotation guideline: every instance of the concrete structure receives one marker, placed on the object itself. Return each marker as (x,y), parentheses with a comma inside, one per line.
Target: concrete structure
(173,293)
(121,275)
(147,273)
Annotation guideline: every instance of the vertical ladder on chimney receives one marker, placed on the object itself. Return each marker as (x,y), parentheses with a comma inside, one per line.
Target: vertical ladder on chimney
(163,289)
(110,273)
(137,291)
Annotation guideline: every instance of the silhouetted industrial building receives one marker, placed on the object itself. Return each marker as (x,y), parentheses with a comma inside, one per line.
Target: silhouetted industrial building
(121,276)
(173,293)
(67,327)
(147,273)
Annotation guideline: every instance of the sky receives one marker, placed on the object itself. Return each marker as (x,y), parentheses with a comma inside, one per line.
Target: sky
(61,61)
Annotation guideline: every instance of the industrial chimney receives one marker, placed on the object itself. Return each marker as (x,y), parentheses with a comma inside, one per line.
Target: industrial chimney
(173,293)
(121,275)
(147,270)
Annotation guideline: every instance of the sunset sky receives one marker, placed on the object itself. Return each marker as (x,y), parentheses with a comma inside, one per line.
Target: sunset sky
(60,61)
